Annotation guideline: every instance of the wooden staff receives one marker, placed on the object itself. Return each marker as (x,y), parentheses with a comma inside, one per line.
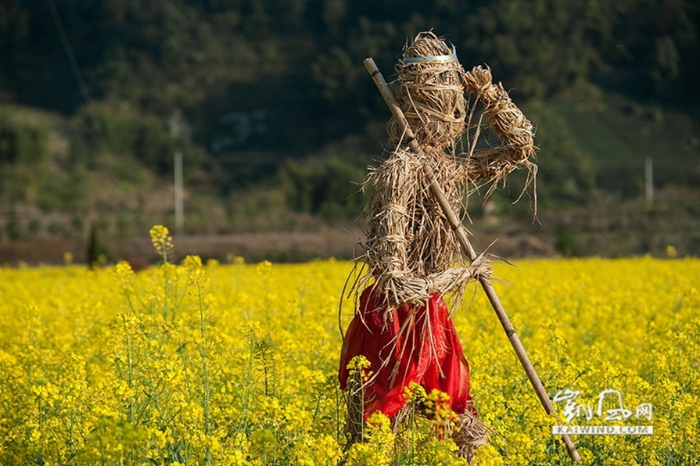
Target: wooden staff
(461,233)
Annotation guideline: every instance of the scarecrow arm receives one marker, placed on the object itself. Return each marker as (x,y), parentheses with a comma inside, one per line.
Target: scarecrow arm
(409,288)
(507,121)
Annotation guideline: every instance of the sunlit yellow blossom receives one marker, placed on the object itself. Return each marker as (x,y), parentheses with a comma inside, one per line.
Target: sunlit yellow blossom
(123,268)
(671,251)
(237,364)
(161,239)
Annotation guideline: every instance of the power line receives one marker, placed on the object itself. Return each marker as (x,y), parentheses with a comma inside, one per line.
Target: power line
(69,51)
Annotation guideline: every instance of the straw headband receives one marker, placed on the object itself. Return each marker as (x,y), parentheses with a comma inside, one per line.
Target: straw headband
(432,58)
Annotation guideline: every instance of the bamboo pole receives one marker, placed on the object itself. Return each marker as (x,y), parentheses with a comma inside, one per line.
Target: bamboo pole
(461,233)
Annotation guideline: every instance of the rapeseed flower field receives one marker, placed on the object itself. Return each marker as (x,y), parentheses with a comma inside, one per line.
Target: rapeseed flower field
(236,364)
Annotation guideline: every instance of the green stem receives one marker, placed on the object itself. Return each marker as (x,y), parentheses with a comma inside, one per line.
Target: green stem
(130,364)
(249,382)
(205,369)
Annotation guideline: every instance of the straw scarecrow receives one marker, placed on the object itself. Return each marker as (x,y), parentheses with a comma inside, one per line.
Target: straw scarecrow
(402,326)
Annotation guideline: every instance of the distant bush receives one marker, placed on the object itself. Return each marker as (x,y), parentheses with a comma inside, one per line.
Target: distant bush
(100,129)
(22,144)
(566,174)
(328,187)
(24,152)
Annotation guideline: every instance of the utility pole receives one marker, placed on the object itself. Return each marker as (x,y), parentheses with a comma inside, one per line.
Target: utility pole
(179,208)
(649,181)
(178,128)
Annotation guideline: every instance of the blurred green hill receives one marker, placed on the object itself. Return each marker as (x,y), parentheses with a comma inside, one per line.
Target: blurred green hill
(277,120)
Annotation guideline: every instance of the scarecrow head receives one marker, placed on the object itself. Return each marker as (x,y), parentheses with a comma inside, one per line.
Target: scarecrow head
(431,93)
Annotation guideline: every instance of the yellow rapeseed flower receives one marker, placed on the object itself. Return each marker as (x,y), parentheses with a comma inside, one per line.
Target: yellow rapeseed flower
(112,367)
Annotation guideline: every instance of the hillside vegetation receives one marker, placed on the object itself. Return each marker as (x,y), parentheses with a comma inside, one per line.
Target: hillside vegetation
(275,116)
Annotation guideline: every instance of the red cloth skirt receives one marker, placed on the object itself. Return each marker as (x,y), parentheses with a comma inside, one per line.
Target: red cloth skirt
(416,344)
